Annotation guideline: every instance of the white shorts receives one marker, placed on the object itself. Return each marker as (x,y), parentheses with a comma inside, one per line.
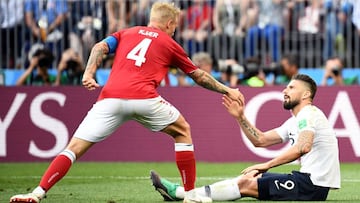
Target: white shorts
(109,114)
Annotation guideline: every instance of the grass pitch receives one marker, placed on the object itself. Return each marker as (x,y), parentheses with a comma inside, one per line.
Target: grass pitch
(130,183)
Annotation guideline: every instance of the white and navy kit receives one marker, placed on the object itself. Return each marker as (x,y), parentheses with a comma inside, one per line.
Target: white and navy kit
(320,168)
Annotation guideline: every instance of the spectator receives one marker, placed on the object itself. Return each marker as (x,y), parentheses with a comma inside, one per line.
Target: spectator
(202,60)
(356,15)
(120,14)
(337,24)
(269,28)
(307,36)
(70,68)
(230,70)
(333,70)
(354,42)
(289,66)
(11,18)
(310,21)
(197,26)
(47,15)
(87,25)
(230,17)
(143,10)
(254,75)
(230,21)
(45,21)
(37,72)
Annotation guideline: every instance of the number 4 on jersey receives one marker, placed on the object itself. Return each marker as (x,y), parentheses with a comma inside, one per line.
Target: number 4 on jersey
(138,52)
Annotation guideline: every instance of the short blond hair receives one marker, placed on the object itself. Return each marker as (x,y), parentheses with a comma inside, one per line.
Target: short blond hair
(200,58)
(163,11)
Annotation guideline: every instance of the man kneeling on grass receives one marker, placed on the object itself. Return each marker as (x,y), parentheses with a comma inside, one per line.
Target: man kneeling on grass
(313,142)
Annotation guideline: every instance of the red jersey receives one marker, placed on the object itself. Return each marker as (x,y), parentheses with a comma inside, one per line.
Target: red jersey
(143,57)
(197,14)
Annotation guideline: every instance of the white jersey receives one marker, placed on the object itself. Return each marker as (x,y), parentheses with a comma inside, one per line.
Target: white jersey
(322,162)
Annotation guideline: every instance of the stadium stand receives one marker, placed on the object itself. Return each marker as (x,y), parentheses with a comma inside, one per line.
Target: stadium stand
(11,76)
(313,51)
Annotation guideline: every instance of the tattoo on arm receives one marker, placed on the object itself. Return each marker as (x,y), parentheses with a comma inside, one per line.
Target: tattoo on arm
(245,124)
(304,143)
(207,81)
(96,57)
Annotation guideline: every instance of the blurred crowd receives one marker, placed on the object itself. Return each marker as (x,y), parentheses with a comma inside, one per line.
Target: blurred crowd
(241,42)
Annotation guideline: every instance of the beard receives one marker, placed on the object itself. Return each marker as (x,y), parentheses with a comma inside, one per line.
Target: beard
(288,105)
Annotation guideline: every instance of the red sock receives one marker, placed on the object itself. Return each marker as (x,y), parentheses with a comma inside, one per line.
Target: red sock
(185,161)
(57,170)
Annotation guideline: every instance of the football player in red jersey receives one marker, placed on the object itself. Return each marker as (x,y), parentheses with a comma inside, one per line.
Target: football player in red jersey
(143,55)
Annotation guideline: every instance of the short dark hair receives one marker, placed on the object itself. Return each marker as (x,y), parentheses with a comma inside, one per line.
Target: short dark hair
(337,58)
(46,57)
(309,81)
(292,59)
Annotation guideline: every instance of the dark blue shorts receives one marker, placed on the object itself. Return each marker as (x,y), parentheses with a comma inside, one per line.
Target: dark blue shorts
(295,186)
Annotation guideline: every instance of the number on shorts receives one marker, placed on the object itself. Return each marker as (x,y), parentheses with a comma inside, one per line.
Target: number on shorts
(289,185)
(138,52)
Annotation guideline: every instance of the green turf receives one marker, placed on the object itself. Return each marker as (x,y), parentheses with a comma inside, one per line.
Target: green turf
(130,183)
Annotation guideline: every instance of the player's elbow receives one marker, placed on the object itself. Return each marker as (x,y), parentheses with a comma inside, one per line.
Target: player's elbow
(260,142)
(199,77)
(304,148)
(101,47)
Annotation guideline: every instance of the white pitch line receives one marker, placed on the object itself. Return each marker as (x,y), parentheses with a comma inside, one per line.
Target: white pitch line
(140,178)
(351,180)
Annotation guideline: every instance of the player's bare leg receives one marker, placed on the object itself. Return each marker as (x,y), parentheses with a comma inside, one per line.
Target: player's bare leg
(248,185)
(185,158)
(225,190)
(56,171)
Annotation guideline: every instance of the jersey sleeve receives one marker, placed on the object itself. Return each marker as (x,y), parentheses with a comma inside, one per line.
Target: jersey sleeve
(306,120)
(283,130)
(182,61)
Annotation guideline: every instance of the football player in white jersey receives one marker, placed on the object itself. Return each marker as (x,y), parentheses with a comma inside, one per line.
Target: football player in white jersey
(313,142)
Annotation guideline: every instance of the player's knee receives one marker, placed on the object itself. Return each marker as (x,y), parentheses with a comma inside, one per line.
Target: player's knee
(179,130)
(244,181)
(247,181)
(184,132)
(79,146)
(184,126)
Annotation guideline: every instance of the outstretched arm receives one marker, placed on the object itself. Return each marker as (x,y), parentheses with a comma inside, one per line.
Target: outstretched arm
(94,61)
(207,81)
(262,139)
(303,145)
(256,136)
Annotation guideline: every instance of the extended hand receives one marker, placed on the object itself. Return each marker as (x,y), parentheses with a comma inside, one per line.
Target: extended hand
(89,83)
(236,95)
(259,168)
(235,108)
